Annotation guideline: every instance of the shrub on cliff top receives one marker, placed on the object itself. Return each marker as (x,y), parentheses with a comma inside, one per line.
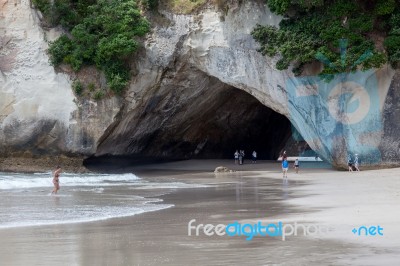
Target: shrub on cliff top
(60,49)
(77,87)
(102,34)
(314,27)
(43,5)
(98,95)
(150,4)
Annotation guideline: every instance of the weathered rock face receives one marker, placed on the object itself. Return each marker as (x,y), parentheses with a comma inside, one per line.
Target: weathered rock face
(39,115)
(390,138)
(200,89)
(31,92)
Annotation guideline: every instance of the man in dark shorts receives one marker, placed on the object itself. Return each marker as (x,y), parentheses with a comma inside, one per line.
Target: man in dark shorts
(350,163)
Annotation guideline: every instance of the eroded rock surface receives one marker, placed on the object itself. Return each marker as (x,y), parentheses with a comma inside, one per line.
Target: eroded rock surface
(39,114)
(199,88)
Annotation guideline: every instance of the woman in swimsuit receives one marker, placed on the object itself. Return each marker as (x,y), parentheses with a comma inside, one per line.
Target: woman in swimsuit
(56,180)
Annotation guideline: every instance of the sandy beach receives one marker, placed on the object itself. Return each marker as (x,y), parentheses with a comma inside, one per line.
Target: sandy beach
(317,196)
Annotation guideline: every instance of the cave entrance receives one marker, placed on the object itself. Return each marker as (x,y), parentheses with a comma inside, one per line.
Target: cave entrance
(202,118)
(191,115)
(240,122)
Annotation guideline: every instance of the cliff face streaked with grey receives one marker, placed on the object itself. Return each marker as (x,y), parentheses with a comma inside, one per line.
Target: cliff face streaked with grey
(183,98)
(39,113)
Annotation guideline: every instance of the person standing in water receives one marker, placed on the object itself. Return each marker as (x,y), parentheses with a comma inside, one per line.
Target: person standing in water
(285,167)
(56,180)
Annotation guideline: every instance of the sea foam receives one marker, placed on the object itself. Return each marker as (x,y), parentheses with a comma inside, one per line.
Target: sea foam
(18,181)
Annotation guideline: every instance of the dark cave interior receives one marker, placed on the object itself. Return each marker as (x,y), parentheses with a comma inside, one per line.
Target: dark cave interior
(213,126)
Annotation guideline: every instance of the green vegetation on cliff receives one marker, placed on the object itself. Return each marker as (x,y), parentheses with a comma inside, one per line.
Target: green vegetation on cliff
(101,33)
(184,6)
(319,29)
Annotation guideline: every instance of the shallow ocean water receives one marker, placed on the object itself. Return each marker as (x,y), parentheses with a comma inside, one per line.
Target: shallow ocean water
(26,200)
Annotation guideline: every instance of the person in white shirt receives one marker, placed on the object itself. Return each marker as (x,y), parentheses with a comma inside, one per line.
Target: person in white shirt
(254,155)
(356,163)
(236,155)
(296,165)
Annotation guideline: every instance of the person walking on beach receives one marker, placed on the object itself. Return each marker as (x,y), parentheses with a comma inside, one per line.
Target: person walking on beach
(356,163)
(240,158)
(242,154)
(236,155)
(285,167)
(56,181)
(296,165)
(350,163)
(254,155)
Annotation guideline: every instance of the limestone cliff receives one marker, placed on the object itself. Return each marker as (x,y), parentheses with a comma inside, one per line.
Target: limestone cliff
(39,114)
(199,87)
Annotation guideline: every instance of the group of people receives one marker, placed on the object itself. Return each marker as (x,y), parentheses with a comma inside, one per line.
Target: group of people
(239,157)
(353,163)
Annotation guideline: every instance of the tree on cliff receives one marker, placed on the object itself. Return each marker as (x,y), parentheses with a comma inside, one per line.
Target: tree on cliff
(101,33)
(311,28)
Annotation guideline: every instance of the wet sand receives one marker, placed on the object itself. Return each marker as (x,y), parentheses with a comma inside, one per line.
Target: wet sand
(340,199)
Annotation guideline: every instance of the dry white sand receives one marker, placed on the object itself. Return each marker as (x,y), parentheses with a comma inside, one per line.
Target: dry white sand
(343,201)
(352,199)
